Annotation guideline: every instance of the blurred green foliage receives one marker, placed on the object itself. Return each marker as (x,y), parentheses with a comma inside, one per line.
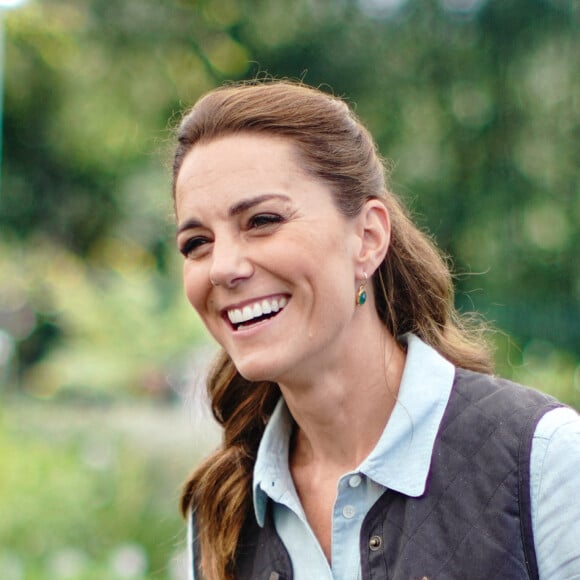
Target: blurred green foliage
(90,492)
(474,101)
(109,325)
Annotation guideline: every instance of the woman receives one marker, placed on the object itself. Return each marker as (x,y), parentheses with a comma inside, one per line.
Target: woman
(363,433)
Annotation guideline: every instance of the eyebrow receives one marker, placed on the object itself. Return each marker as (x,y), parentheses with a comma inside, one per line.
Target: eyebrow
(247,204)
(235,209)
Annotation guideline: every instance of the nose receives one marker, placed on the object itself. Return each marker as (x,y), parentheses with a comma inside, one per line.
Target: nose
(230,264)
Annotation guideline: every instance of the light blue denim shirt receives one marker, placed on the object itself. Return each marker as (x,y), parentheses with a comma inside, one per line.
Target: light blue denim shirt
(401,460)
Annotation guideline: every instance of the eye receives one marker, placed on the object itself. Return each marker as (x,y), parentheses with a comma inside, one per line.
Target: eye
(263,220)
(193,247)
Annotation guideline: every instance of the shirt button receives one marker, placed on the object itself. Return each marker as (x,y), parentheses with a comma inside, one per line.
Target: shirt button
(375,543)
(355,481)
(348,511)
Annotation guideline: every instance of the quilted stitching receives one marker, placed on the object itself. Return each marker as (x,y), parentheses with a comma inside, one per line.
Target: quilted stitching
(468,522)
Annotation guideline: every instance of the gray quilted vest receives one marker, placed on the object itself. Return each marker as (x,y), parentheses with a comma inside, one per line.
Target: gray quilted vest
(473,521)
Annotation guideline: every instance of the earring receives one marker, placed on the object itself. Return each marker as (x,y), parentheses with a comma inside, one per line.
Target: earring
(361,294)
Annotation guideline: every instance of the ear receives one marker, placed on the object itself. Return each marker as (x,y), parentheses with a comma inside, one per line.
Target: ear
(374,231)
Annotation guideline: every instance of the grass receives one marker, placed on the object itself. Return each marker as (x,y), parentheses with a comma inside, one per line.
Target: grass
(91,492)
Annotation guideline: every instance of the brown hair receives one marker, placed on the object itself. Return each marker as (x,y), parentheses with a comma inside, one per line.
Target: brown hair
(413,285)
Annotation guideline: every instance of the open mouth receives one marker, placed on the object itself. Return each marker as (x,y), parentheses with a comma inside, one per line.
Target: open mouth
(256,312)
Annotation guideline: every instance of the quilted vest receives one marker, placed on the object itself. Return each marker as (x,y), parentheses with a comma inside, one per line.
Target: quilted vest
(474,519)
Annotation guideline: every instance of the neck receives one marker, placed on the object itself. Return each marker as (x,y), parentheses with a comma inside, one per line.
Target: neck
(342,412)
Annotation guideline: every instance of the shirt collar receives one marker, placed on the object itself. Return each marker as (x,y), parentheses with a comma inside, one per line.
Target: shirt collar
(271,472)
(402,456)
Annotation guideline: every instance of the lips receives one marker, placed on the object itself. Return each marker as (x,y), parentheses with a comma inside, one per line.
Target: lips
(257,311)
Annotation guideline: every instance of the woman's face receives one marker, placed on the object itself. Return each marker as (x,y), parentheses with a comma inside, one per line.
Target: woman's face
(269,260)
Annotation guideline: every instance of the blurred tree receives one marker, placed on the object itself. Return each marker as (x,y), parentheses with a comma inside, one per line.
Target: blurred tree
(475,102)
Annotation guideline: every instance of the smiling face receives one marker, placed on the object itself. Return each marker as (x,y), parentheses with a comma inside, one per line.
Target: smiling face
(270,263)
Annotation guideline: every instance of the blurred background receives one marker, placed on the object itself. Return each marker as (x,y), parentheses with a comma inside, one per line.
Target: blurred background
(101,360)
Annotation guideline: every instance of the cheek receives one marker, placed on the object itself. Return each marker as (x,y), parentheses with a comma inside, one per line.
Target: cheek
(194,287)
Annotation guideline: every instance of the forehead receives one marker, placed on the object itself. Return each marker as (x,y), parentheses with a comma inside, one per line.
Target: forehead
(237,163)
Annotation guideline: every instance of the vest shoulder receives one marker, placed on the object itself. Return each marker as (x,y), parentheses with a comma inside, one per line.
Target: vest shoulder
(481,389)
(485,408)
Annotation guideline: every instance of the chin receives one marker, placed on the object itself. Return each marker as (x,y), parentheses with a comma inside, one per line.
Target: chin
(255,375)
(256,372)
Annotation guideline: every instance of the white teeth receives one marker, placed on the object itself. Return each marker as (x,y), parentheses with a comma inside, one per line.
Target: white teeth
(251,311)
(235,316)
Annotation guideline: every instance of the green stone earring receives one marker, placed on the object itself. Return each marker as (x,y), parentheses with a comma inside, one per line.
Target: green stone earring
(361,294)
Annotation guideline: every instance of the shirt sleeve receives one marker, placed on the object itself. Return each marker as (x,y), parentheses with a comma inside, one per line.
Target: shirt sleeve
(555,489)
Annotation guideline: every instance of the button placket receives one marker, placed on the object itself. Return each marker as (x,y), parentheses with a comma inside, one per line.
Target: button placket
(355,480)
(348,511)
